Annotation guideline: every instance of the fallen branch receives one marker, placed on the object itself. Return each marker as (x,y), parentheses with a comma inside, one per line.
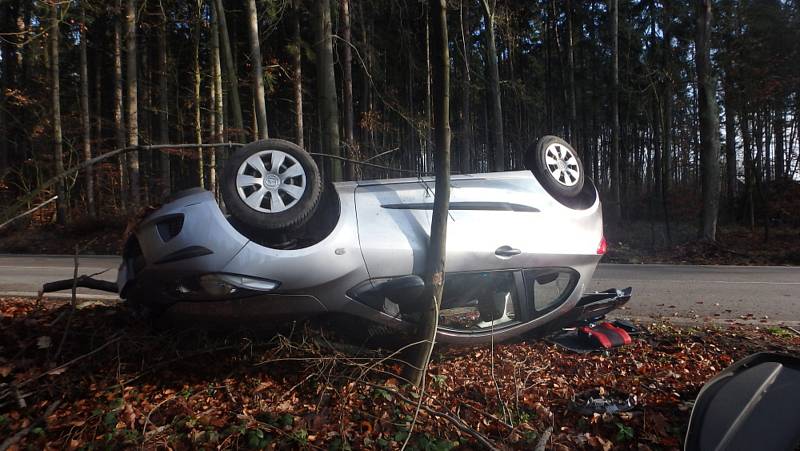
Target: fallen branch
(64,366)
(542,443)
(455,421)
(28,212)
(83,282)
(14,439)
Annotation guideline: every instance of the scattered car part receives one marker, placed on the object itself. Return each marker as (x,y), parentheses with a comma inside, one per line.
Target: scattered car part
(606,334)
(602,400)
(752,404)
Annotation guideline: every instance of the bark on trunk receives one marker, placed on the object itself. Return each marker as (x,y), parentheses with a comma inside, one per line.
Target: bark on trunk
(466,114)
(435,265)
(58,153)
(297,76)
(258,69)
(230,69)
(573,112)
(119,119)
(616,208)
(778,128)
(163,113)
(730,149)
(709,120)
(198,126)
(85,120)
(133,109)
(347,86)
(219,105)
(326,87)
(494,90)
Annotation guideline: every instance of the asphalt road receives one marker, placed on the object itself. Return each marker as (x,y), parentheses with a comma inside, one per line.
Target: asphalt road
(759,294)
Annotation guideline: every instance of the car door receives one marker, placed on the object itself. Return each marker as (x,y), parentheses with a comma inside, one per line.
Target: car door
(489,228)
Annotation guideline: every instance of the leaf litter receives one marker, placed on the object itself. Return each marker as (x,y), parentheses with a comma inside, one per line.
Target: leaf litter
(119,383)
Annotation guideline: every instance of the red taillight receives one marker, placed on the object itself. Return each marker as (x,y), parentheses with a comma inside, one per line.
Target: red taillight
(602,247)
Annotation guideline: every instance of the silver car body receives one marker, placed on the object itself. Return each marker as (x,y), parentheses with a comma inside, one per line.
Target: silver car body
(498,222)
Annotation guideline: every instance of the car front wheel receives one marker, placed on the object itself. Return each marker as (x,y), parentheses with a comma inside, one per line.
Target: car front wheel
(271,184)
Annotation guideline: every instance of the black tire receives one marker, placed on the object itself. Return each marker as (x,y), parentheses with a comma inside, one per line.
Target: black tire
(290,212)
(563,178)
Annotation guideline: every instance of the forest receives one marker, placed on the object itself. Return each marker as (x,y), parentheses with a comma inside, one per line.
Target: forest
(680,110)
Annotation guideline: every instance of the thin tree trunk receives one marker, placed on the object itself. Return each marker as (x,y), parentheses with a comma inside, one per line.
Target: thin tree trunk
(466,114)
(297,76)
(778,127)
(435,265)
(573,112)
(219,106)
(119,119)
(494,90)
(347,86)
(326,86)
(58,153)
(616,208)
(85,121)
(163,87)
(709,120)
(258,69)
(133,108)
(198,125)
(98,108)
(230,69)
(730,149)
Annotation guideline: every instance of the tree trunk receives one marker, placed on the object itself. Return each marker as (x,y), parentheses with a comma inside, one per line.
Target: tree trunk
(435,265)
(466,114)
(85,121)
(219,105)
(616,207)
(573,113)
(258,69)
(119,119)
(778,128)
(709,120)
(730,149)
(163,98)
(230,69)
(326,87)
(494,90)
(58,153)
(198,125)
(297,76)
(133,108)
(347,86)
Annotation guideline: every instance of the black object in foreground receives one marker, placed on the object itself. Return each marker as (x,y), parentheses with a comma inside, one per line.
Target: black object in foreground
(82,281)
(753,404)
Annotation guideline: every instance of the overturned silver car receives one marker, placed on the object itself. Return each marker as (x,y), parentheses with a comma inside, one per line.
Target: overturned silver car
(521,248)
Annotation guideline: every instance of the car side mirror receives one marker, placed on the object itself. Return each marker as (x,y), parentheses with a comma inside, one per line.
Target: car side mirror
(403,291)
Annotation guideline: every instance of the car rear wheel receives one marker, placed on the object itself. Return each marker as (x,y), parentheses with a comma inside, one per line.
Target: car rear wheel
(557,166)
(271,184)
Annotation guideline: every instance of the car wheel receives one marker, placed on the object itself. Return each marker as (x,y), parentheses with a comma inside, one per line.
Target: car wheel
(271,184)
(557,166)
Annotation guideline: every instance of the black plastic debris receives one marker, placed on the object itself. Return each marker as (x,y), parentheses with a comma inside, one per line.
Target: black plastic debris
(601,400)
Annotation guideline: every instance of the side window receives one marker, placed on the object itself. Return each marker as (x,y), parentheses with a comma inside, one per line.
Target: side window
(478,301)
(548,288)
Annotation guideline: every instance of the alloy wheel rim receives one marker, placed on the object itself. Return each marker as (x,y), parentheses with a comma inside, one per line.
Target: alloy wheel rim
(562,164)
(270,181)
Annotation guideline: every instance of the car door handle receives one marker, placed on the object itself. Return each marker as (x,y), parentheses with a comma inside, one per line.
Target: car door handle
(507,251)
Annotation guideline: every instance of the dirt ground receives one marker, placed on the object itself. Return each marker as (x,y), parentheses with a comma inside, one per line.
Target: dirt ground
(111,381)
